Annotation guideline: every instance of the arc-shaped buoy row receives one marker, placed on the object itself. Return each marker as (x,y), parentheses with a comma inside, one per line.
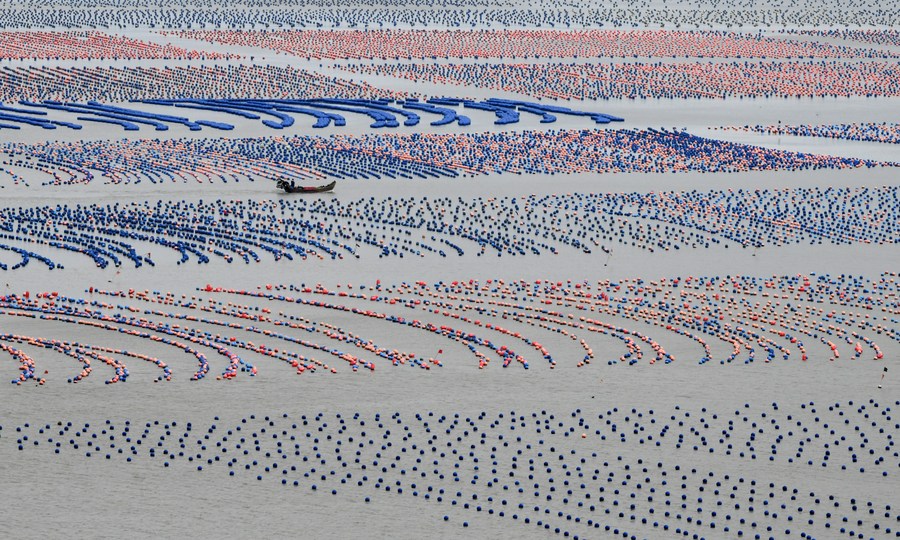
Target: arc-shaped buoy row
(329,228)
(382,111)
(806,317)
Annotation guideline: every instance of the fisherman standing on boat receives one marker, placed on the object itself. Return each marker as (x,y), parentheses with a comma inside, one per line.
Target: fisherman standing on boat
(290,186)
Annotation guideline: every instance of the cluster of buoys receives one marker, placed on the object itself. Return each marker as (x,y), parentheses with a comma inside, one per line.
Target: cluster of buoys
(418,227)
(679,310)
(26,256)
(79,351)
(182,327)
(45,307)
(269,14)
(118,84)
(398,44)
(402,155)
(883,132)
(280,113)
(661,80)
(812,317)
(91,44)
(631,472)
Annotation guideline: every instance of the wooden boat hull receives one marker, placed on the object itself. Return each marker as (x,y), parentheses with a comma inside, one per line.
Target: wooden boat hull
(306,189)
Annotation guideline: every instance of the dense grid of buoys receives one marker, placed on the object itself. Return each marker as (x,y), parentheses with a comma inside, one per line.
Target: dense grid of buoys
(410,156)
(661,80)
(724,319)
(123,83)
(86,45)
(616,470)
(883,132)
(446,14)
(872,36)
(527,43)
(420,227)
(281,113)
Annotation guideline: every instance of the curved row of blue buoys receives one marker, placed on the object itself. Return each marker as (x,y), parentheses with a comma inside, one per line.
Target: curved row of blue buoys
(527,226)
(383,114)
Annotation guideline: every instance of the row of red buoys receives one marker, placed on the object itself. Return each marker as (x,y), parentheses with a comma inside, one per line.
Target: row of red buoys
(883,132)
(408,156)
(660,80)
(91,44)
(115,84)
(528,44)
(871,36)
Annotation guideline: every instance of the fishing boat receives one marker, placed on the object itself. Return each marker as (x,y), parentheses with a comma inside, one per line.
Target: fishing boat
(289,187)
